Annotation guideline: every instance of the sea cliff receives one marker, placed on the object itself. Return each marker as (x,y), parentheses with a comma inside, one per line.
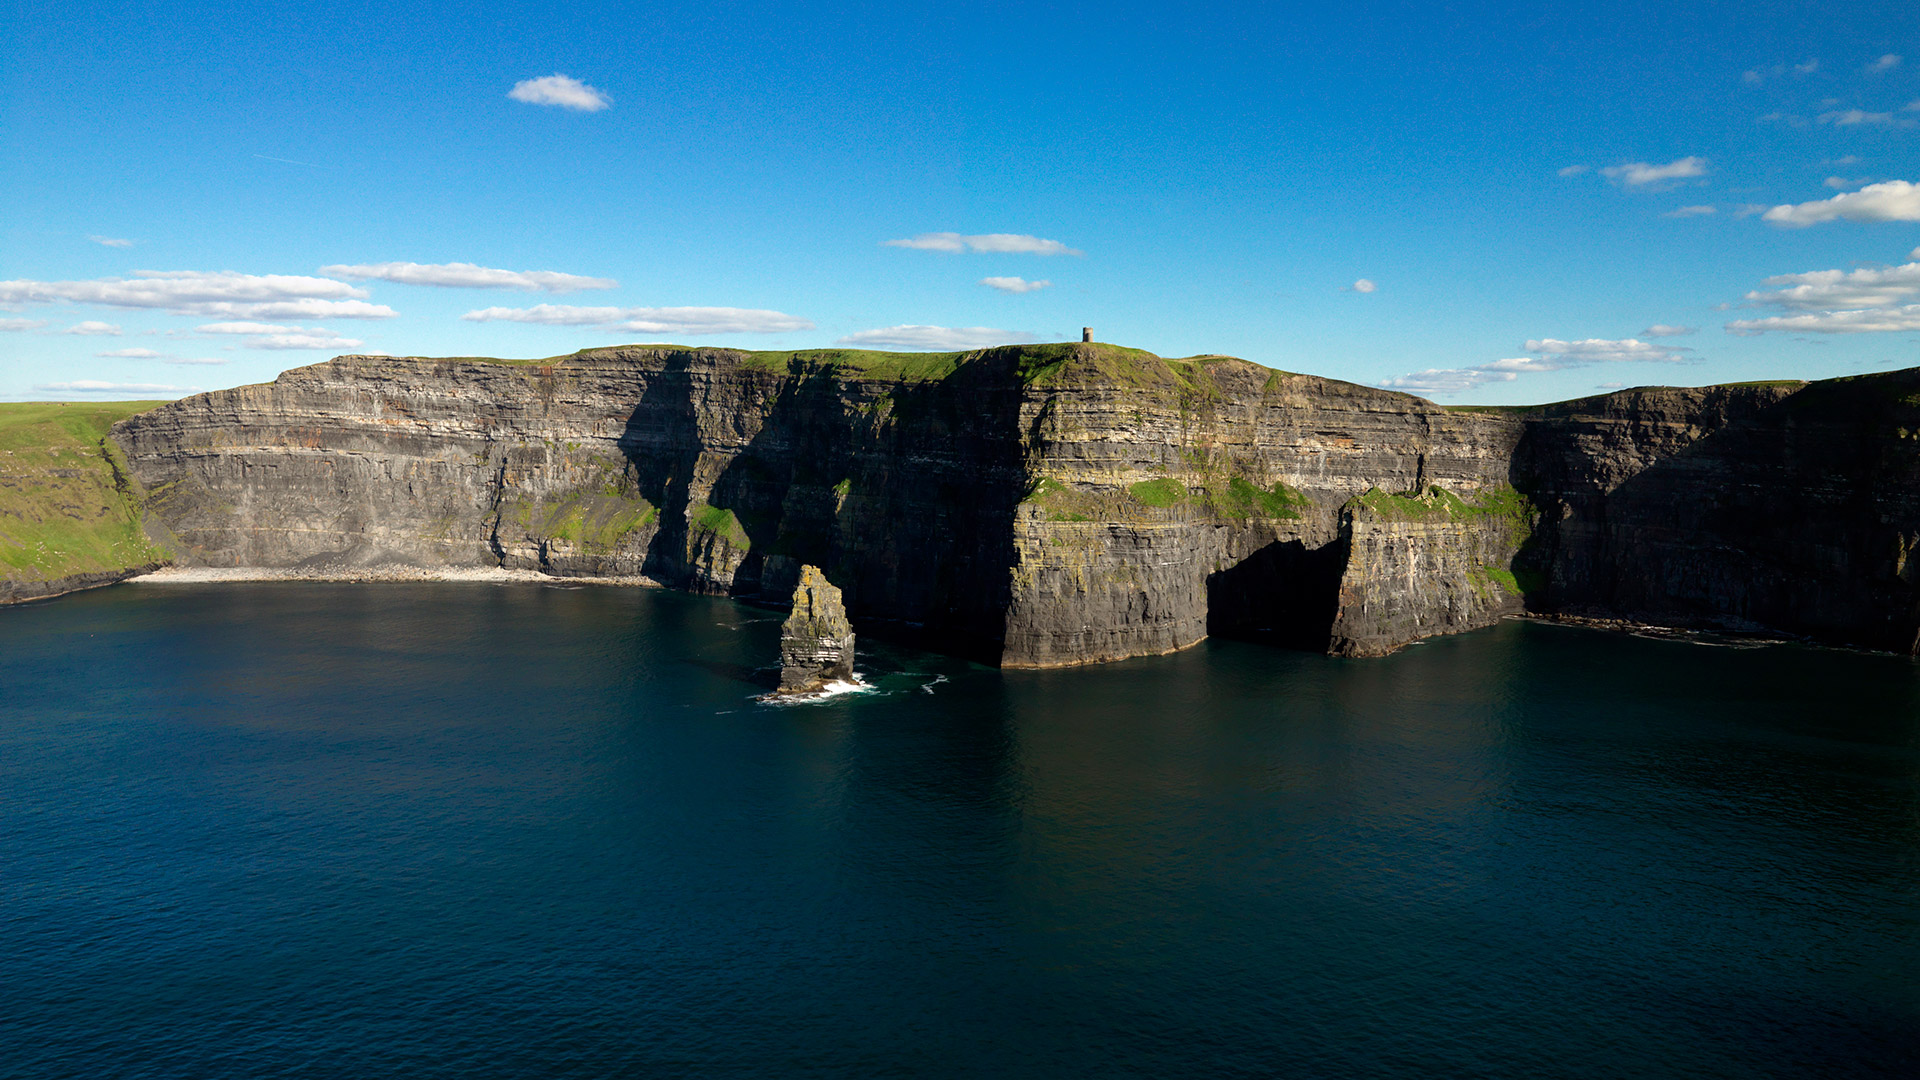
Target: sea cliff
(1027,506)
(1036,506)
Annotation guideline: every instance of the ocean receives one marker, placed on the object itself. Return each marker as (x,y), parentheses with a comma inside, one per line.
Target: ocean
(455,829)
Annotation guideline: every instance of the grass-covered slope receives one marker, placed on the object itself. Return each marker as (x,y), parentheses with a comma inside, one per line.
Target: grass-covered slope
(66,508)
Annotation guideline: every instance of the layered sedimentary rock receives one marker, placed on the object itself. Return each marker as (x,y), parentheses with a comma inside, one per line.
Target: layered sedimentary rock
(1049,505)
(1785,507)
(1026,506)
(816,641)
(1425,564)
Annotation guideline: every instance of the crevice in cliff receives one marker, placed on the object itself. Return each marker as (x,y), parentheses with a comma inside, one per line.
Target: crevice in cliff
(1283,594)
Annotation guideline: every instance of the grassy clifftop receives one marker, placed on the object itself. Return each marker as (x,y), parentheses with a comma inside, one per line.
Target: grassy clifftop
(65,505)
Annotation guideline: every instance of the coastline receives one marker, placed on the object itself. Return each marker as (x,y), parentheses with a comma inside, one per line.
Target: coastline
(494,575)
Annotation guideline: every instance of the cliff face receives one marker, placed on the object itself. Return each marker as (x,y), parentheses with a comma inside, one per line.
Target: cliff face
(1026,506)
(1048,505)
(1785,507)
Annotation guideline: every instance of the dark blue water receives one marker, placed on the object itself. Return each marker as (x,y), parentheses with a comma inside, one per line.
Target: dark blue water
(466,830)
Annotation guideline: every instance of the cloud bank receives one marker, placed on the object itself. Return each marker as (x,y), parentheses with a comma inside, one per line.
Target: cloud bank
(1552,354)
(271,336)
(467,276)
(649,320)
(217,295)
(936,338)
(1839,302)
(1003,243)
(560,91)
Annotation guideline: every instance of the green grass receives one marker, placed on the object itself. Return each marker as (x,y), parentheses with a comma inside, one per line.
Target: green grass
(1242,499)
(1437,503)
(1160,493)
(1504,579)
(594,523)
(720,522)
(67,505)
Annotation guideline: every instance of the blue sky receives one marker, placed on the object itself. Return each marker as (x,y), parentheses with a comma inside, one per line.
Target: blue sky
(1493,203)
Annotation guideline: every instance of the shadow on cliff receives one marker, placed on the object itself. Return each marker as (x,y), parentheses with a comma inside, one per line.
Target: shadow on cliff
(1793,513)
(902,491)
(1284,593)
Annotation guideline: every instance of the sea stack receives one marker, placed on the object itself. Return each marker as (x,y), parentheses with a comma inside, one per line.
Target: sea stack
(816,644)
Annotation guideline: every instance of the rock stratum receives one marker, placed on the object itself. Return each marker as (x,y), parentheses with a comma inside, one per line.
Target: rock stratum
(1038,506)
(816,641)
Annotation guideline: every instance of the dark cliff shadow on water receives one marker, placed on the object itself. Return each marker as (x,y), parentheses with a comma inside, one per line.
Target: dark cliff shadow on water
(1284,594)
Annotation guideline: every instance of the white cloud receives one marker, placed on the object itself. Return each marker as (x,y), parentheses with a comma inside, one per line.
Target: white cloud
(1841,183)
(325,340)
(131,354)
(1840,301)
(1911,106)
(1891,200)
(647,320)
(1850,159)
(1573,170)
(1445,382)
(1014,284)
(1885,63)
(1552,354)
(1659,330)
(560,90)
(938,338)
(1873,320)
(1759,75)
(1690,211)
(20,325)
(1828,290)
(1859,117)
(93,328)
(1602,351)
(111,241)
(94,386)
(198,360)
(271,336)
(1639,174)
(220,294)
(1363,286)
(244,328)
(468,276)
(1003,243)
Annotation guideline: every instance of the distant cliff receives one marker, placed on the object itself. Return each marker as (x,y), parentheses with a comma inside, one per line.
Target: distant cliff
(1064,504)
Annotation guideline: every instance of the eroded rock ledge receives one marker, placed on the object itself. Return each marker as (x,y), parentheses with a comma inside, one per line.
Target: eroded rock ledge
(1064,504)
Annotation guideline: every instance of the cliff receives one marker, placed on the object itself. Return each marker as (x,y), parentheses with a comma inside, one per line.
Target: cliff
(1048,505)
(1781,507)
(69,510)
(1027,506)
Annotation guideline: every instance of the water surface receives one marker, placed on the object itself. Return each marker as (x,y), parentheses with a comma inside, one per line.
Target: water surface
(470,830)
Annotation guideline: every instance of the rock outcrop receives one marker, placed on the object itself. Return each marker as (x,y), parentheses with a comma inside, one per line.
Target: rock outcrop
(1035,506)
(816,641)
